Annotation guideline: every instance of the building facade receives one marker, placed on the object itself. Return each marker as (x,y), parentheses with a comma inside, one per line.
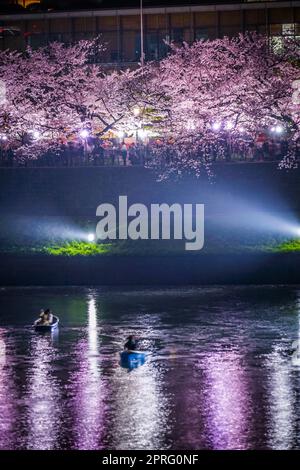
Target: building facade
(121,32)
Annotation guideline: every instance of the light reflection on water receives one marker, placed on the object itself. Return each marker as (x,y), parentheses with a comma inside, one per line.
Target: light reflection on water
(228,401)
(140,410)
(89,392)
(282,403)
(219,373)
(140,407)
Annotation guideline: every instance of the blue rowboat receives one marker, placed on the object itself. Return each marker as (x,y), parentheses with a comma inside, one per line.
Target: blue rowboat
(44,328)
(132,359)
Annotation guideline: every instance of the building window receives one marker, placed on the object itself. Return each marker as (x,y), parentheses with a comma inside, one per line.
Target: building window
(288,29)
(205,33)
(177,35)
(285,29)
(155,46)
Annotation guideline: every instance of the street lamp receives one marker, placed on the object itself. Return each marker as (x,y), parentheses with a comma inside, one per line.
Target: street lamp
(35,134)
(278,129)
(142,33)
(142,134)
(216,126)
(121,134)
(84,133)
(90,237)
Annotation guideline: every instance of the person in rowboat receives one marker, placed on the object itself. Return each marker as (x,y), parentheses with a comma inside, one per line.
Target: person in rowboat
(46,317)
(131,343)
(41,317)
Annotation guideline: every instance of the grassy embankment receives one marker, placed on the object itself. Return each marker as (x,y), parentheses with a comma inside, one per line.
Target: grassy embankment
(212,246)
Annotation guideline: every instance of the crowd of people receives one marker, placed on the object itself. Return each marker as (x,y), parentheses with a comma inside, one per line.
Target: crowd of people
(263,148)
(113,152)
(92,152)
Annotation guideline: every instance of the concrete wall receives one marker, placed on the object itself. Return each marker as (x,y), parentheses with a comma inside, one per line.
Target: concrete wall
(150,270)
(72,192)
(78,191)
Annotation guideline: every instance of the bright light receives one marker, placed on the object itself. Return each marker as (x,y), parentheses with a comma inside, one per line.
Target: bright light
(120,134)
(229,125)
(84,133)
(278,129)
(3,137)
(290,229)
(35,134)
(136,111)
(142,133)
(216,126)
(91,237)
(241,130)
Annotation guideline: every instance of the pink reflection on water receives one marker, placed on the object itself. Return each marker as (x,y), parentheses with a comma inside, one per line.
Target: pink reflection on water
(282,402)
(43,396)
(89,388)
(228,401)
(7,411)
(141,408)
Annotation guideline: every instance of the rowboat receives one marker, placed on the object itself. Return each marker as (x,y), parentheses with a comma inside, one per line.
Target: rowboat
(44,328)
(132,359)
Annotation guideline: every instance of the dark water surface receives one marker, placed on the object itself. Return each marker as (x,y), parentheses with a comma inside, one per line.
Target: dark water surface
(219,374)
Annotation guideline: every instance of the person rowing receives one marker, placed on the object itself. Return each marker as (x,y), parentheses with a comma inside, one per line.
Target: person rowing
(131,357)
(45,317)
(131,343)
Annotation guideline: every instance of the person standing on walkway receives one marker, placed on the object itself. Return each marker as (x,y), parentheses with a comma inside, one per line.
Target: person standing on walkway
(124,153)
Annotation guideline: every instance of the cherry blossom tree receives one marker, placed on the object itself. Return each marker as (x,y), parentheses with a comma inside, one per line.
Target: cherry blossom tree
(55,92)
(199,102)
(219,92)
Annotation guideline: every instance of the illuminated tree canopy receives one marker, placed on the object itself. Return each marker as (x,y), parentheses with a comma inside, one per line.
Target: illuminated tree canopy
(195,103)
